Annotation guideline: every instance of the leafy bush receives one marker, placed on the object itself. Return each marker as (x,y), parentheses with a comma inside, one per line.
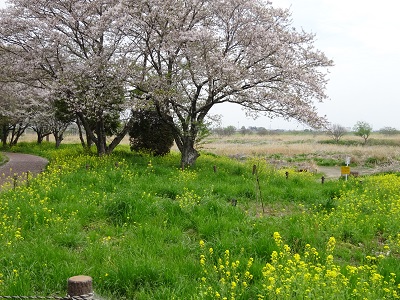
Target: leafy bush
(150,133)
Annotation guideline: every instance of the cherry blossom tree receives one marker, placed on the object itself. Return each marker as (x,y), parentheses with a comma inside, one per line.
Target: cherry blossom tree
(73,48)
(195,54)
(180,56)
(15,112)
(337,131)
(49,118)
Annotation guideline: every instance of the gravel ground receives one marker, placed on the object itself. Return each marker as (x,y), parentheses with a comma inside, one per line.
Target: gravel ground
(18,165)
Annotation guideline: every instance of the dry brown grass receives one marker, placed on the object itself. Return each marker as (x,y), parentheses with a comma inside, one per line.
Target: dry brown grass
(383,151)
(288,145)
(292,144)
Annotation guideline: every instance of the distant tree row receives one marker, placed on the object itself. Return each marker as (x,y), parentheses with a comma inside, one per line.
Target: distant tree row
(230,130)
(361,129)
(336,131)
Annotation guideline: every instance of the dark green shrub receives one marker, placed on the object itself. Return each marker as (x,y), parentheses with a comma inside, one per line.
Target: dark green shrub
(150,133)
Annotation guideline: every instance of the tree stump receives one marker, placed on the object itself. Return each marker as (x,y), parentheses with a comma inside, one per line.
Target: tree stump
(80,285)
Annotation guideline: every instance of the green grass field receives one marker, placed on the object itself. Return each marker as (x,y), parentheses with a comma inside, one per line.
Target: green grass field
(142,228)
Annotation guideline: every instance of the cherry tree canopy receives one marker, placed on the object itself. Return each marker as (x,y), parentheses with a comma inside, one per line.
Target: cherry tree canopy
(75,49)
(181,57)
(198,53)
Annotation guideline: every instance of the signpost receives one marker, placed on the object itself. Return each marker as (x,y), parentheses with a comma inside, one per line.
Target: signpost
(345,170)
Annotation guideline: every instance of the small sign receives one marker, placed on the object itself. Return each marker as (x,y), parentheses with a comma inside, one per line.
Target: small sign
(345,170)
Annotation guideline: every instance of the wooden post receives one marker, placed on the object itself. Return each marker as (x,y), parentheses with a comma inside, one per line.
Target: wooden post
(15,178)
(80,285)
(215,169)
(254,169)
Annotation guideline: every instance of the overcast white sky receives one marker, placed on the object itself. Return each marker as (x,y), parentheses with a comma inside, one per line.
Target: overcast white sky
(362,38)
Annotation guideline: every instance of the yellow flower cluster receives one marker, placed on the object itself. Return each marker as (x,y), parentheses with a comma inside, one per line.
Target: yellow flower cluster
(225,279)
(184,176)
(289,276)
(188,199)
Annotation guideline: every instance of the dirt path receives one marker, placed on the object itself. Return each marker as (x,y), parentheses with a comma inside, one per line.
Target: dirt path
(18,165)
(334,172)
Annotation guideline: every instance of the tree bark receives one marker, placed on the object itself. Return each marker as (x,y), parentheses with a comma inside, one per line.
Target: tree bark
(16,132)
(58,137)
(4,135)
(39,138)
(99,136)
(78,123)
(117,140)
(189,156)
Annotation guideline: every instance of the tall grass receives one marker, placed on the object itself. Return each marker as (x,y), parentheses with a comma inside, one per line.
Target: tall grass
(145,229)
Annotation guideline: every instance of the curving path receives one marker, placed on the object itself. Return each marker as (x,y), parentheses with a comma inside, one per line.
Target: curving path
(19,164)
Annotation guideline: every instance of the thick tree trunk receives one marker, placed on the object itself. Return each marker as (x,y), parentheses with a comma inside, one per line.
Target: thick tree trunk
(58,137)
(101,146)
(101,137)
(189,156)
(39,138)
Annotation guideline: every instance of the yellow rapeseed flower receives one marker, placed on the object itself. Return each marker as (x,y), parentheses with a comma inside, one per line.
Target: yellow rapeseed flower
(277,238)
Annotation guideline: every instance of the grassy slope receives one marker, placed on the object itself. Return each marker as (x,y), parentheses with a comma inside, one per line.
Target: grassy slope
(134,223)
(3,159)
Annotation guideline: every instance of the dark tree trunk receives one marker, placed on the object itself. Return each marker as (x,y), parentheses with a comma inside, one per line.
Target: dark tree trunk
(58,140)
(39,138)
(41,133)
(4,135)
(117,140)
(78,123)
(16,132)
(85,144)
(58,136)
(185,137)
(58,133)
(99,136)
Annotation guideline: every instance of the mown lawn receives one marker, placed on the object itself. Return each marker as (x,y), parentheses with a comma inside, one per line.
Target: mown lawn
(143,228)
